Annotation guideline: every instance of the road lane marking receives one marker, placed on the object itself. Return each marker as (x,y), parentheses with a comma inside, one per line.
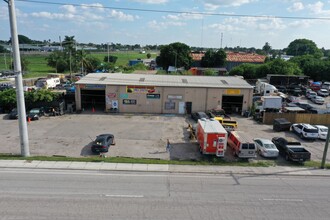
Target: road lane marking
(126,196)
(284,200)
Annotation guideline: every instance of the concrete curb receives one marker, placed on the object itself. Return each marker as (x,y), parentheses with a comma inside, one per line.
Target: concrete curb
(101,166)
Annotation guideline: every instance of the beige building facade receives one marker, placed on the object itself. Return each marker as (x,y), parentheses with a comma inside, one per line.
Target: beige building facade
(165,94)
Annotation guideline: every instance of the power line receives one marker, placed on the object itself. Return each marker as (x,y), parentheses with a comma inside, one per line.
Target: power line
(178,12)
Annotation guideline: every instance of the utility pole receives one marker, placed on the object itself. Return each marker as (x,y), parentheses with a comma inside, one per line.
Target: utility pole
(108,53)
(221,40)
(23,132)
(325,149)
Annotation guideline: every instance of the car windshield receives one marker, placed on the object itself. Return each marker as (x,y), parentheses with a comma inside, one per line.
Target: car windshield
(269,146)
(323,129)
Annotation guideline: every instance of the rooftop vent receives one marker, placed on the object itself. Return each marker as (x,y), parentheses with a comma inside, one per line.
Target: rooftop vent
(102,79)
(142,79)
(185,81)
(224,82)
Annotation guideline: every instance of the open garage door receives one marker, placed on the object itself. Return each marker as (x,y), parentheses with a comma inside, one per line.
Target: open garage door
(232,103)
(93,99)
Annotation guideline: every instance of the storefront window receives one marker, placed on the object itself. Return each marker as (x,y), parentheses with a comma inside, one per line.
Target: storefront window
(169,105)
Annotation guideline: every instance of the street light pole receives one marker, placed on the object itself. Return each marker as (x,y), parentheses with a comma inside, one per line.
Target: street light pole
(23,132)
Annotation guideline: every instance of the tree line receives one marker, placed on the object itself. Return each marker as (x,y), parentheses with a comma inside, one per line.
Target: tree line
(306,59)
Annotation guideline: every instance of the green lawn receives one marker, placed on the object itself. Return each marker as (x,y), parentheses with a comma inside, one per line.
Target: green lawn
(38,65)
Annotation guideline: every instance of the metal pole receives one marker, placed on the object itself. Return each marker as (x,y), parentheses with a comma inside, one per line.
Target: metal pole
(4,55)
(176,55)
(23,132)
(325,149)
(108,53)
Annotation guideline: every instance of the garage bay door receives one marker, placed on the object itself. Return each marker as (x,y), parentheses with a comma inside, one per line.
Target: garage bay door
(232,103)
(93,99)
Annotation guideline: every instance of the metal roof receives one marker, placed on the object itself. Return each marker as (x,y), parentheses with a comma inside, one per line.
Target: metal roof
(165,80)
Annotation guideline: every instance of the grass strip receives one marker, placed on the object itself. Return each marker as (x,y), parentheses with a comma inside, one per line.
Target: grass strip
(206,162)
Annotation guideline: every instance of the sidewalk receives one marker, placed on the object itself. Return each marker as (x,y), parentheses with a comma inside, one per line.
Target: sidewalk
(101,166)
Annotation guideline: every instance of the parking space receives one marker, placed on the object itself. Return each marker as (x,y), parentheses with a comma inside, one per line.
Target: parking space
(141,136)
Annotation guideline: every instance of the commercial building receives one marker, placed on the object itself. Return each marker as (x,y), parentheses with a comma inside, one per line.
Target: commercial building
(167,94)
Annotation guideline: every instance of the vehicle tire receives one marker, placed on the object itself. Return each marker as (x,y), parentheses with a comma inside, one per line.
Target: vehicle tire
(301,136)
(287,157)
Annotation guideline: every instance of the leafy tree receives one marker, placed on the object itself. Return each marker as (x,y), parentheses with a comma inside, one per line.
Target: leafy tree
(315,68)
(69,43)
(209,72)
(3,49)
(57,60)
(247,70)
(61,66)
(112,59)
(301,47)
(93,63)
(281,67)
(175,54)
(267,48)
(214,59)
(148,55)
(23,40)
(83,60)
(8,99)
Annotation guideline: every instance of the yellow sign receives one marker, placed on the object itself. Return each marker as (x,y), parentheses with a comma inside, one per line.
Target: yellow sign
(233,91)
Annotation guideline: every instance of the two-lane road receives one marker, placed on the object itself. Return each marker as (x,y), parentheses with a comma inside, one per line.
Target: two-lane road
(66,194)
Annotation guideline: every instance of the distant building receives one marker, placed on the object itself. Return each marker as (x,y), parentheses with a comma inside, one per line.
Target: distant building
(233,59)
(237,58)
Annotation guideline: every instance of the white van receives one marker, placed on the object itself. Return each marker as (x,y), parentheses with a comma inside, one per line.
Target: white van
(242,144)
(326,85)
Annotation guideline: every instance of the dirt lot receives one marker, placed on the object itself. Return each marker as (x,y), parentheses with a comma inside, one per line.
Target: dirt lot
(142,136)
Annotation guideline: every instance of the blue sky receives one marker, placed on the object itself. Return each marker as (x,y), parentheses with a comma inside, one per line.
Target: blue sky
(127,22)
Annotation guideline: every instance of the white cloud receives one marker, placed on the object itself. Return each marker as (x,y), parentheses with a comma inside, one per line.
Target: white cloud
(224,27)
(121,15)
(163,25)
(301,23)
(49,15)
(183,16)
(297,6)
(255,23)
(96,6)
(69,8)
(214,4)
(317,8)
(151,1)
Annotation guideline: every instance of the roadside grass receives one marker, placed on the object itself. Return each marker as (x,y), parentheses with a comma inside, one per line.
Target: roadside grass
(207,162)
(38,67)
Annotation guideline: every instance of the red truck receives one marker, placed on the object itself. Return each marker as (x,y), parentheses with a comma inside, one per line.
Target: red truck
(212,137)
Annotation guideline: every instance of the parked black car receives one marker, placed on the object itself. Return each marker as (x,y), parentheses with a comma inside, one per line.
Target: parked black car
(13,114)
(35,114)
(199,115)
(102,143)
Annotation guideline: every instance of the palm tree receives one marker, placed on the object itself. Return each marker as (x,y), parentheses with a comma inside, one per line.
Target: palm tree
(69,43)
(83,60)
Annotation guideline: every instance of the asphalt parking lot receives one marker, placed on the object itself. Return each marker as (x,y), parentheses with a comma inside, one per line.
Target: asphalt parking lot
(141,136)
